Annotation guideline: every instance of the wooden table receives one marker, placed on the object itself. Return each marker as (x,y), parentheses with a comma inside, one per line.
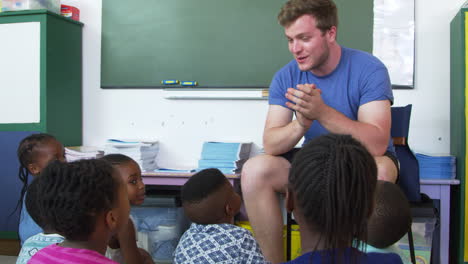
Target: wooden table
(179,178)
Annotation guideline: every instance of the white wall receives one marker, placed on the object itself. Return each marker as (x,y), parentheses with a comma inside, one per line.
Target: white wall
(430,123)
(182,125)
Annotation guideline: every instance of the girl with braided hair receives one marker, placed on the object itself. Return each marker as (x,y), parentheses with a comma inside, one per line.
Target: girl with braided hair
(34,153)
(84,201)
(330,191)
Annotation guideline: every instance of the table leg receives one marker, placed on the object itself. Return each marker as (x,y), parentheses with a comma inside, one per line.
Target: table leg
(444,223)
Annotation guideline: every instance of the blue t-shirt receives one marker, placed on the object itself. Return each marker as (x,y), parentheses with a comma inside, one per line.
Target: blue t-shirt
(358,79)
(318,257)
(27,226)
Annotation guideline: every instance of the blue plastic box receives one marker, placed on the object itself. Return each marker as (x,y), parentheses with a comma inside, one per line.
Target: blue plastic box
(160,228)
(423,229)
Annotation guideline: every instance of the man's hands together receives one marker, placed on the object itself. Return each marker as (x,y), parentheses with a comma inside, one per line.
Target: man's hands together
(308,103)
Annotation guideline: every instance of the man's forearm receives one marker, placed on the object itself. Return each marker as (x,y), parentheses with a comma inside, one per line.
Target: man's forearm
(372,137)
(279,140)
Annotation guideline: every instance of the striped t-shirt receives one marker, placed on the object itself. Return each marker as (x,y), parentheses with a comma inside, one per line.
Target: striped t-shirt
(54,254)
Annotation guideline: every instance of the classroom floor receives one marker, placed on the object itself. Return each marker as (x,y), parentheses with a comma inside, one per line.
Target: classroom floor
(9,249)
(7,259)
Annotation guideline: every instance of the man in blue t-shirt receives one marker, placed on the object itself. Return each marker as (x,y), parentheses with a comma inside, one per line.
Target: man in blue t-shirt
(329,89)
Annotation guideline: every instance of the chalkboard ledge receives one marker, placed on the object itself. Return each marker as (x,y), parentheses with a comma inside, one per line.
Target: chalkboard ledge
(219,94)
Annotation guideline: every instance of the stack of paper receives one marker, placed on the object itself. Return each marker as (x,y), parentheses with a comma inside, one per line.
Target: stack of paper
(142,151)
(82,152)
(436,167)
(225,156)
(174,170)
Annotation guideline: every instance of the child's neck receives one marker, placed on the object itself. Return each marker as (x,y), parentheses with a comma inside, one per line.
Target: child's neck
(313,240)
(99,246)
(310,239)
(225,220)
(48,232)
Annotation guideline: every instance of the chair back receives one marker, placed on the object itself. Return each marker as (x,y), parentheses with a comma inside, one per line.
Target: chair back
(409,166)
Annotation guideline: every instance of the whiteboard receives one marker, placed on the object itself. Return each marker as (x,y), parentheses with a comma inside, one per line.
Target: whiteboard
(20,73)
(394,39)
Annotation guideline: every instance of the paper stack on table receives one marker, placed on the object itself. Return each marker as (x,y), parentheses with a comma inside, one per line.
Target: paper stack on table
(82,152)
(436,167)
(144,152)
(228,157)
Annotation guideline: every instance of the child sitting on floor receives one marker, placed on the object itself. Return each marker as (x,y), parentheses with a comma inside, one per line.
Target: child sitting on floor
(123,247)
(390,219)
(331,188)
(86,202)
(211,203)
(34,153)
(39,241)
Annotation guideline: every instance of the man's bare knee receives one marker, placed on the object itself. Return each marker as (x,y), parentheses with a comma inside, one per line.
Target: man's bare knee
(386,169)
(264,171)
(253,172)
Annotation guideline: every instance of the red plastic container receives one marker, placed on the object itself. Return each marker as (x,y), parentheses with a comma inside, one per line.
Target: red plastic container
(70,11)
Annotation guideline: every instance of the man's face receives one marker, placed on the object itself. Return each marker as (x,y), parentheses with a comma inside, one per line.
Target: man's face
(307,43)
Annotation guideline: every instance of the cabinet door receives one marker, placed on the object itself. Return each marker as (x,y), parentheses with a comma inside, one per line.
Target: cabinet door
(10,185)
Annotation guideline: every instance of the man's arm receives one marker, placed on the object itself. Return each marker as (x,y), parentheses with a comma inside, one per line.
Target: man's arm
(372,127)
(282,133)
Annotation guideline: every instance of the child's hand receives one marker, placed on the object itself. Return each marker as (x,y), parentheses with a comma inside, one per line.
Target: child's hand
(127,240)
(127,233)
(145,256)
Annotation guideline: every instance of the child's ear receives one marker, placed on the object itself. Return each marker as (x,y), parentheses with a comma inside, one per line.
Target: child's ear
(289,200)
(112,220)
(229,210)
(33,169)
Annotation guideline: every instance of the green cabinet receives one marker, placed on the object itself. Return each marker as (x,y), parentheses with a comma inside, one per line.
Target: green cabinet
(40,87)
(458,135)
(40,80)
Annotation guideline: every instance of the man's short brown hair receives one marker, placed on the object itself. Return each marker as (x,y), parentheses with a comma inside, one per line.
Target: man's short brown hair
(324,11)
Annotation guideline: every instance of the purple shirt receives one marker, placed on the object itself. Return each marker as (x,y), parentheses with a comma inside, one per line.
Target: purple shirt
(318,257)
(55,254)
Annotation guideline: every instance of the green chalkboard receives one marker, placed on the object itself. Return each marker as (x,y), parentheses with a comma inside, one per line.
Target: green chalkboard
(218,43)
